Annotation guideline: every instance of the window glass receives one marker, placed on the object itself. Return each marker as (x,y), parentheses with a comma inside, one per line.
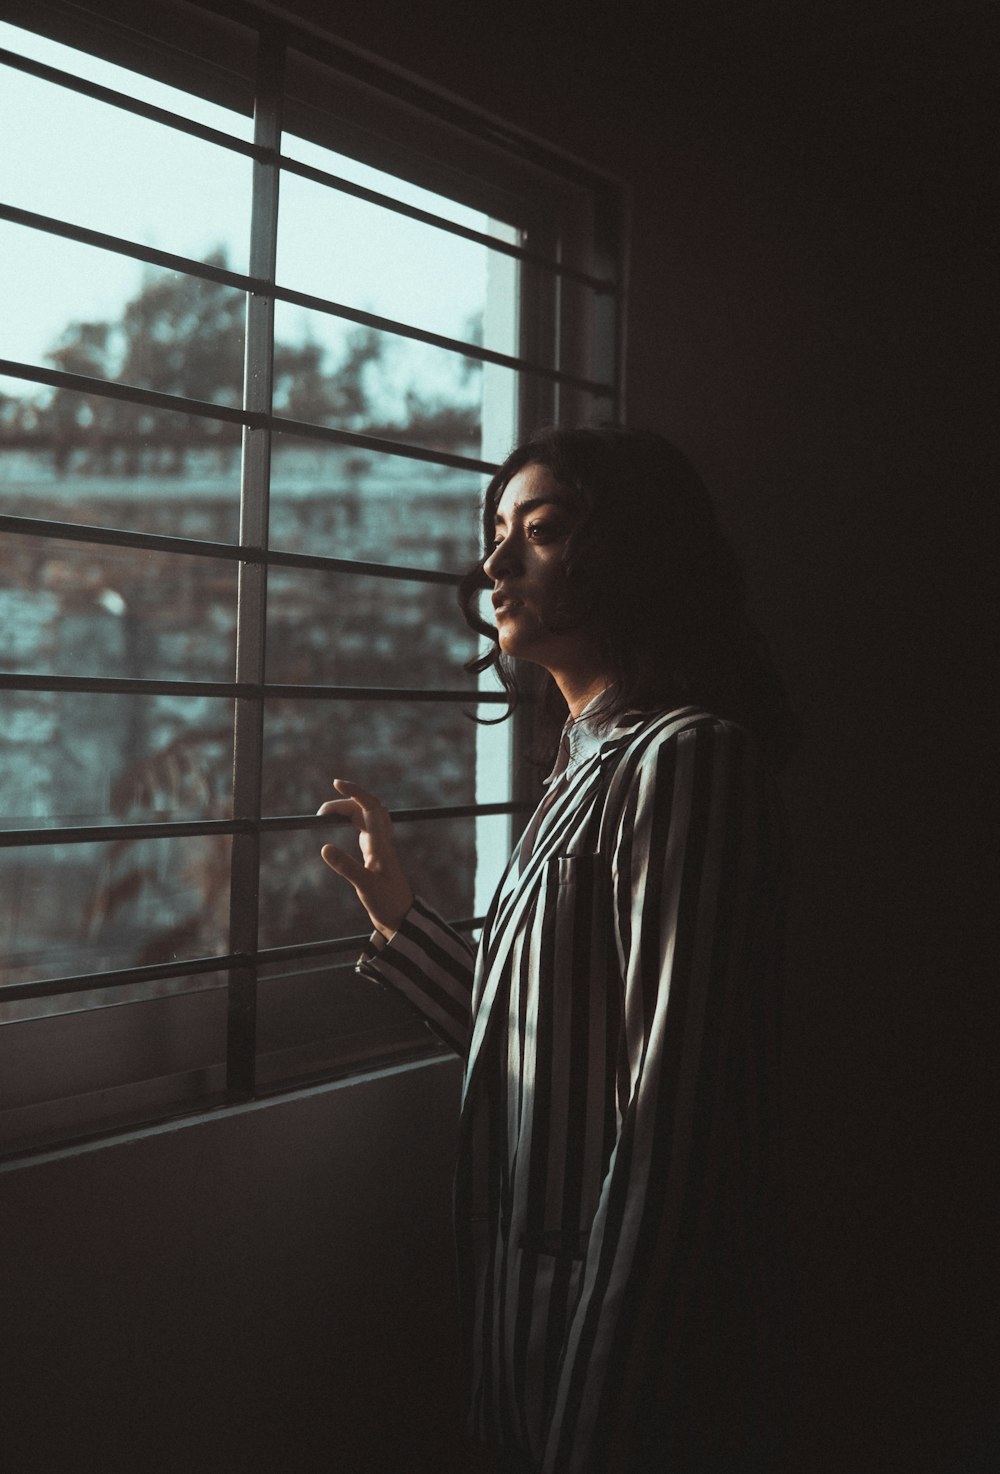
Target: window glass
(342,502)
(111,317)
(350,629)
(70,609)
(412,754)
(73,758)
(86,458)
(81,908)
(330,372)
(409,271)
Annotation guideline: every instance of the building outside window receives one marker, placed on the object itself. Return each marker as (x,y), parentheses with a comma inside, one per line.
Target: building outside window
(272,316)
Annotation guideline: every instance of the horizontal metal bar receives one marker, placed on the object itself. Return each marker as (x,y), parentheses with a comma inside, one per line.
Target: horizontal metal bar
(150,255)
(107,389)
(230,552)
(128,686)
(378,444)
(123,100)
(357,566)
(187,265)
(182,828)
(127,977)
(401,816)
(603,285)
(113,833)
(438,340)
(302,951)
(123,977)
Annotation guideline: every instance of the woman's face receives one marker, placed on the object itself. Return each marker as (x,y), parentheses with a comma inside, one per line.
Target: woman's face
(534,517)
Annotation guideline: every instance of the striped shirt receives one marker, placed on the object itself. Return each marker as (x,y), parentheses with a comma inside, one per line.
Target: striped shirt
(617,1175)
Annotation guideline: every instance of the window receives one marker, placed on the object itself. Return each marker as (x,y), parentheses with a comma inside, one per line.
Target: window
(272,315)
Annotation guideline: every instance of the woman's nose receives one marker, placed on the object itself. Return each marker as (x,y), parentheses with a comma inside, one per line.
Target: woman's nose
(500,561)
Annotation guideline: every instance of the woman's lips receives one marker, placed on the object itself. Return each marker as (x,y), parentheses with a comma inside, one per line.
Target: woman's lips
(505,606)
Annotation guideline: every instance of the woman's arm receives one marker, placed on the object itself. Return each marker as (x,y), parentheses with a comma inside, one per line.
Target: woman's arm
(687,883)
(432,966)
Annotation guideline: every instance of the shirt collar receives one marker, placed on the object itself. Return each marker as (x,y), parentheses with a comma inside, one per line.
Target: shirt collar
(582,737)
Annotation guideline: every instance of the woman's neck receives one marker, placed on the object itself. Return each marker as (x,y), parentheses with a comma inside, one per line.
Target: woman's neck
(578,693)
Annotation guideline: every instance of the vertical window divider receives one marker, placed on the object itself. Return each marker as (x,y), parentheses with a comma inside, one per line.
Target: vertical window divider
(251,630)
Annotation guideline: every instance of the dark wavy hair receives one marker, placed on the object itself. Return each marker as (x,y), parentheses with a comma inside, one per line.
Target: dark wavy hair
(649,570)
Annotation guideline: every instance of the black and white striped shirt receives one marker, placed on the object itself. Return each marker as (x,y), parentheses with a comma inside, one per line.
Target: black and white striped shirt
(617,1175)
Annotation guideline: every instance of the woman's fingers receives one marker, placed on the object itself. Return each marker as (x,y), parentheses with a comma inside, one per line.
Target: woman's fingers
(378,878)
(350,869)
(367,800)
(342,808)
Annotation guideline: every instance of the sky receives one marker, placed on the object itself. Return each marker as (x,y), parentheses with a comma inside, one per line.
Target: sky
(83,161)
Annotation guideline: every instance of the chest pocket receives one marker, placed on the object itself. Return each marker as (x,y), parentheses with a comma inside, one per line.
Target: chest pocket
(577,1026)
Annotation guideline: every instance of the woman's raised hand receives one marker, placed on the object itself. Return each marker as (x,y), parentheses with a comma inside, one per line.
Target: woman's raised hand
(378,878)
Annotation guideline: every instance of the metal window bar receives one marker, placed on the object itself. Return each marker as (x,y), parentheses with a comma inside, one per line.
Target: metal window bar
(251,419)
(239,281)
(137,686)
(265,153)
(251,619)
(86,532)
(181,828)
(128,977)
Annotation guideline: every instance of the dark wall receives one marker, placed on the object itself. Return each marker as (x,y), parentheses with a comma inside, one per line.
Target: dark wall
(266,1290)
(808,320)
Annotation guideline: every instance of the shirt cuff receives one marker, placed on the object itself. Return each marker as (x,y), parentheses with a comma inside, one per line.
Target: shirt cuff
(377,943)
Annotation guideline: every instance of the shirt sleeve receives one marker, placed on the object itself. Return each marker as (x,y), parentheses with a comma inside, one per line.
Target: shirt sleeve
(431,965)
(687,892)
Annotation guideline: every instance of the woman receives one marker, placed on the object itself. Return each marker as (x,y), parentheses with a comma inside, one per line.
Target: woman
(617,1186)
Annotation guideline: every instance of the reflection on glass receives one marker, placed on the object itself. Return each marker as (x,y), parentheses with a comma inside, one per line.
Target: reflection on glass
(98,166)
(321,1016)
(349,629)
(302,900)
(72,609)
(341,502)
(81,908)
(412,754)
(69,758)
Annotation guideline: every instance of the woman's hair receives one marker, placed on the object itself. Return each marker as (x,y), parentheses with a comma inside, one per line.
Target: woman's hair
(648,569)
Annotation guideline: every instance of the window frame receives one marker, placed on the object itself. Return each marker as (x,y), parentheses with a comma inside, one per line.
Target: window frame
(555,381)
